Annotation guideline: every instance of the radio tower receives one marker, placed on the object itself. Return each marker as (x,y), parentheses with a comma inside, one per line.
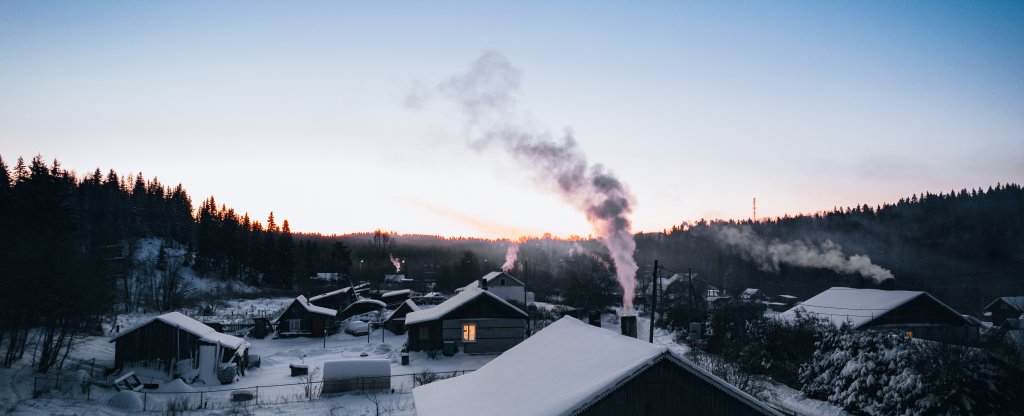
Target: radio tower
(755,209)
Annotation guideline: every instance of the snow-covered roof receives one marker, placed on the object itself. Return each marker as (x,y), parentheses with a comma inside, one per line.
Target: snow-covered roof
(192,326)
(857,306)
(394,278)
(1016,301)
(396,293)
(468,294)
(580,362)
(325,276)
(329,294)
(301,300)
(788,297)
(748,292)
(408,304)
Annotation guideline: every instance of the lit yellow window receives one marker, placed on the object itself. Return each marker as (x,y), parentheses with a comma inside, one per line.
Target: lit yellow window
(469,332)
(910,334)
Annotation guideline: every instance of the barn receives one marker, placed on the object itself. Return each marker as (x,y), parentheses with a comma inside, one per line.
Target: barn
(173,339)
(503,285)
(395,321)
(571,368)
(918,314)
(474,321)
(303,318)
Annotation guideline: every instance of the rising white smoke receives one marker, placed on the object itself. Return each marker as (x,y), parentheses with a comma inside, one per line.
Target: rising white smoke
(770,254)
(396,262)
(510,257)
(486,94)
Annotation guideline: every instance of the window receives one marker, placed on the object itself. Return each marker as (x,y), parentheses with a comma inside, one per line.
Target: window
(424,333)
(469,332)
(503,281)
(910,334)
(294,325)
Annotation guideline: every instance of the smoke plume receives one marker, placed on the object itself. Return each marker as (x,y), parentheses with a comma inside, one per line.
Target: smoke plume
(396,262)
(510,257)
(486,95)
(769,255)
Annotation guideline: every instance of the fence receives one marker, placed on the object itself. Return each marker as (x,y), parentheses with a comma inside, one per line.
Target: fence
(224,398)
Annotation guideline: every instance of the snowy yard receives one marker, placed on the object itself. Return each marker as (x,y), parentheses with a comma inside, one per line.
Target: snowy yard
(278,391)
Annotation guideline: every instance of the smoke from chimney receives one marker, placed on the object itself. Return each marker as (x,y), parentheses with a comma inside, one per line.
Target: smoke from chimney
(510,257)
(486,94)
(769,255)
(396,262)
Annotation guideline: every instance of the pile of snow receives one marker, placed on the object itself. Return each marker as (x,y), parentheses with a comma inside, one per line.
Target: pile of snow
(176,386)
(125,400)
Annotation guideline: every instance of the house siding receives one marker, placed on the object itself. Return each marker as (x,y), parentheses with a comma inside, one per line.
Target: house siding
(156,340)
(492,335)
(665,388)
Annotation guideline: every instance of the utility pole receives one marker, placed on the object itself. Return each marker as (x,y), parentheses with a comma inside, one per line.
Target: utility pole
(689,305)
(654,298)
(755,209)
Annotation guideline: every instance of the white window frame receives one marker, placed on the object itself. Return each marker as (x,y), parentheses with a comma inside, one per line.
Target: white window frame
(470,328)
(294,325)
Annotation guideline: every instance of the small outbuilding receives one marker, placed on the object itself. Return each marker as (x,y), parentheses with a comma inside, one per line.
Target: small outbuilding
(571,368)
(753,295)
(1004,308)
(502,284)
(170,340)
(918,314)
(303,318)
(395,321)
(473,321)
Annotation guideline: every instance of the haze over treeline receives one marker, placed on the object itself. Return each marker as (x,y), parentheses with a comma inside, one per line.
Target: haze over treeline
(73,233)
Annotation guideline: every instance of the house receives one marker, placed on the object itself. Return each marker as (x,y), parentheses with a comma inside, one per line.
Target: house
(753,295)
(176,343)
(305,318)
(395,321)
(503,285)
(475,321)
(916,313)
(571,368)
(337,299)
(1004,308)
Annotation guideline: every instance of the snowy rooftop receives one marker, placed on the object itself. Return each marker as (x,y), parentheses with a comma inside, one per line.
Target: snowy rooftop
(301,300)
(1015,301)
(858,306)
(578,361)
(192,326)
(408,303)
(468,294)
(396,293)
(329,294)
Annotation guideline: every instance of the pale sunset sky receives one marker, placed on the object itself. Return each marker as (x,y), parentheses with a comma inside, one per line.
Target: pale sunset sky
(297,107)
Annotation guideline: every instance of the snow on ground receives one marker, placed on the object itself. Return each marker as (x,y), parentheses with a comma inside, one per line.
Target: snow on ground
(16,384)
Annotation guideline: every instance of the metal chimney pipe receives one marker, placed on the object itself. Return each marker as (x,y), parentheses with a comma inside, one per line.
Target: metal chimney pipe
(628,326)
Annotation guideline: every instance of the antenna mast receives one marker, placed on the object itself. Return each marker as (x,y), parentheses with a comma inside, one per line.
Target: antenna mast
(755,209)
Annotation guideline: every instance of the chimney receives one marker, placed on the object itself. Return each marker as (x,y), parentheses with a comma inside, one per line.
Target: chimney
(595,318)
(628,326)
(483,283)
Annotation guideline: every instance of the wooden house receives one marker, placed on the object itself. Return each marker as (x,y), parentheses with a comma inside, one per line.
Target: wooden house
(502,284)
(171,340)
(918,314)
(1004,308)
(395,321)
(475,320)
(336,299)
(571,368)
(303,318)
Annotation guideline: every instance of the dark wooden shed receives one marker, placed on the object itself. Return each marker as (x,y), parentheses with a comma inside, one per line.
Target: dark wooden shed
(395,321)
(165,340)
(1006,307)
(571,368)
(476,320)
(303,318)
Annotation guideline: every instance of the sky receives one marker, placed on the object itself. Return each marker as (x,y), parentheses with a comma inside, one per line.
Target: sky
(297,107)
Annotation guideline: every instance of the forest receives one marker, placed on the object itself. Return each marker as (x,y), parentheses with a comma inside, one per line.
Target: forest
(67,243)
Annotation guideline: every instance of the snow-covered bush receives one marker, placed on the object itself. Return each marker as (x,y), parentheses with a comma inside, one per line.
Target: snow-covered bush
(727,327)
(754,385)
(881,372)
(778,347)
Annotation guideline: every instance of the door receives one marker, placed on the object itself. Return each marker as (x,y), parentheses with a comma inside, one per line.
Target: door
(208,360)
(318,327)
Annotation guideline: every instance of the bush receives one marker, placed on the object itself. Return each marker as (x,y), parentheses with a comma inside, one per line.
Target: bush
(727,327)
(888,373)
(778,347)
